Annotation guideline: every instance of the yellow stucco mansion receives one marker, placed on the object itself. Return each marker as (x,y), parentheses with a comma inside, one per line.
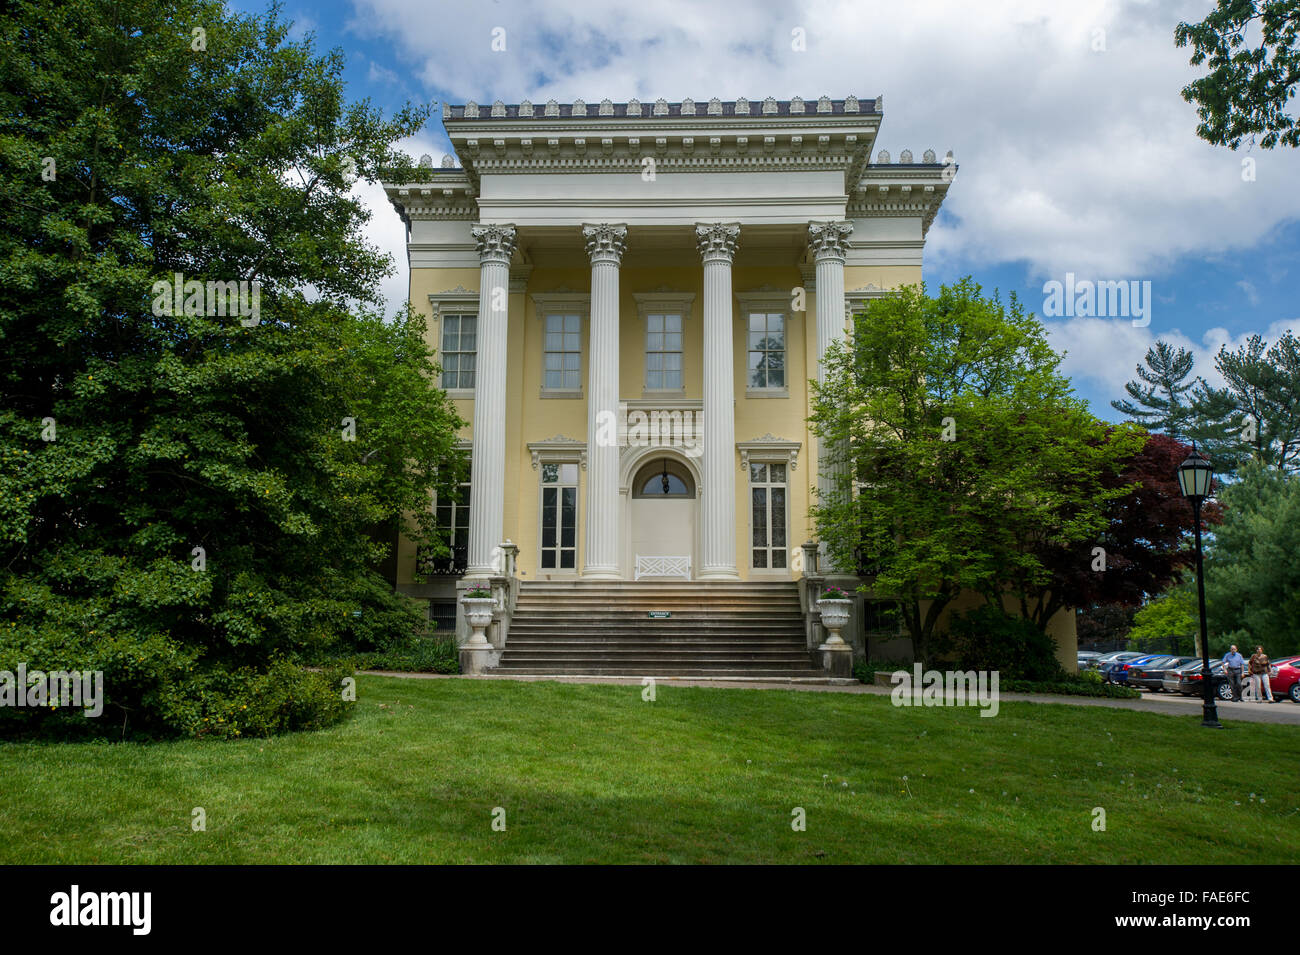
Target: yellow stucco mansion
(628,301)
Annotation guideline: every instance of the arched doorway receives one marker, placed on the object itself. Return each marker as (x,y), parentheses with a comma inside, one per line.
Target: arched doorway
(662,508)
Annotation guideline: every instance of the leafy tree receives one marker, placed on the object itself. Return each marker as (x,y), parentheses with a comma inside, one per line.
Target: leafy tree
(1256,416)
(951,414)
(1140,548)
(1168,620)
(1248,87)
(1158,399)
(182,505)
(1252,577)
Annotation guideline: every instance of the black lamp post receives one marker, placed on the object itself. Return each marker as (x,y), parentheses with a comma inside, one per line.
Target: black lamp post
(1195,478)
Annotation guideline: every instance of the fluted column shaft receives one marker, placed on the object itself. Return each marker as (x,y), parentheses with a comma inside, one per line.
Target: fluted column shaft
(828,241)
(496,244)
(717,243)
(605,245)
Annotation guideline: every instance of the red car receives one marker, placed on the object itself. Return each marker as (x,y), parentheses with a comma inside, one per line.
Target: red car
(1286,681)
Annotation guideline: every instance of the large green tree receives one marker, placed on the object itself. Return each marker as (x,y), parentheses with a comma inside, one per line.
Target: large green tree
(1256,415)
(959,447)
(1252,576)
(1251,49)
(188,496)
(1159,399)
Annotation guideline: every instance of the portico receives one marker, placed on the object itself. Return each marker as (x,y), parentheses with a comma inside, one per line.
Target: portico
(591,272)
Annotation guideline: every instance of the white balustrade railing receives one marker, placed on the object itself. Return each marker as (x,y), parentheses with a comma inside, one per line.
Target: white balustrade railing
(663,566)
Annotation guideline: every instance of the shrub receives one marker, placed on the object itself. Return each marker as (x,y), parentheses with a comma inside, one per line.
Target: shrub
(865,670)
(419,655)
(986,638)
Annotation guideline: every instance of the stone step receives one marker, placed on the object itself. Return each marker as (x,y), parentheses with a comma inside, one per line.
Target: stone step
(788,624)
(740,673)
(702,638)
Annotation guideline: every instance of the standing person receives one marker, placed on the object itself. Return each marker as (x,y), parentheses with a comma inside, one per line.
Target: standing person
(1233,662)
(1259,682)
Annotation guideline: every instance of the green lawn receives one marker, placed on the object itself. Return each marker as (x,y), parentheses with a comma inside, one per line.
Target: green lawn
(594,774)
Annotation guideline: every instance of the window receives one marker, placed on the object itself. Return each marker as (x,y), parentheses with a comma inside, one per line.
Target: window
(767,495)
(451,515)
(442,616)
(766,367)
(459,349)
(663,352)
(663,478)
(563,369)
(559,517)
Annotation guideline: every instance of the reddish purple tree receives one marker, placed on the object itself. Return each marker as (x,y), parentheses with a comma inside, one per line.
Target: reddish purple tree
(1146,544)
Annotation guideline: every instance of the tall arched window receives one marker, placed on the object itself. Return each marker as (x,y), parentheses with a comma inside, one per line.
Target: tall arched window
(663,477)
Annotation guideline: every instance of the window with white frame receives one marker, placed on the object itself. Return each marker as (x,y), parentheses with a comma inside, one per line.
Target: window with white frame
(451,517)
(663,352)
(563,348)
(459,350)
(768,493)
(765,367)
(665,315)
(559,517)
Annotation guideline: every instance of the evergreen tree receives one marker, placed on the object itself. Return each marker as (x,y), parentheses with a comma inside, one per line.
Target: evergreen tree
(1256,416)
(202,420)
(1158,399)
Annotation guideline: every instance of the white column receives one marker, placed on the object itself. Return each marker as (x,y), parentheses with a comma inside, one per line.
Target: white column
(496,244)
(717,242)
(605,245)
(828,241)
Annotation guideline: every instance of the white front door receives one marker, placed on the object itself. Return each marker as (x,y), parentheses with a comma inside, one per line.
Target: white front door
(663,527)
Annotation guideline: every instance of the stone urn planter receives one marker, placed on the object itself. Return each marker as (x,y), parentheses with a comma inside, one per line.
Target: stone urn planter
(478,605)
(834,606)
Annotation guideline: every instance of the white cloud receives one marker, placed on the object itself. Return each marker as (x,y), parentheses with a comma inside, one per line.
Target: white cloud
(1071,160)
(1102,354)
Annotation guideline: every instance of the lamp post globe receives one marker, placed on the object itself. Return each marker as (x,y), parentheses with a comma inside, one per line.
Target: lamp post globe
(1195,479)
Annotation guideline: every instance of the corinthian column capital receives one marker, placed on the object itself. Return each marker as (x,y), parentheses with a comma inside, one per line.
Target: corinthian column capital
(829,240)
(605,242)
(717,240)
(496,243)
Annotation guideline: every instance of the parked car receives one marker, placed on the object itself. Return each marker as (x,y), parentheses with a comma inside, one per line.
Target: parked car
(1286,681)
(1187,680)
(1283,679)
(1086,658)
(1105,658)
(1151,675)
(1111,669)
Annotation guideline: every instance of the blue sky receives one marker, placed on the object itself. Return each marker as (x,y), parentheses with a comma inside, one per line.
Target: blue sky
(1077,153)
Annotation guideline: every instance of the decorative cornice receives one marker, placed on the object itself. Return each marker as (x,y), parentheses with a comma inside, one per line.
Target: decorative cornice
(896,190)
(605,242)
(829,240)
(717,240)
(742,107)
(496,243)
(448,195)
(769,448)
(664,299)
(763,298)
(558,449)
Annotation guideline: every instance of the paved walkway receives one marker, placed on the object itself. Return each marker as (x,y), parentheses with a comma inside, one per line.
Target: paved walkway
(1282,712)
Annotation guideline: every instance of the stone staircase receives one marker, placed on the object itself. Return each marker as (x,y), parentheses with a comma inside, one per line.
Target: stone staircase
(742,630)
